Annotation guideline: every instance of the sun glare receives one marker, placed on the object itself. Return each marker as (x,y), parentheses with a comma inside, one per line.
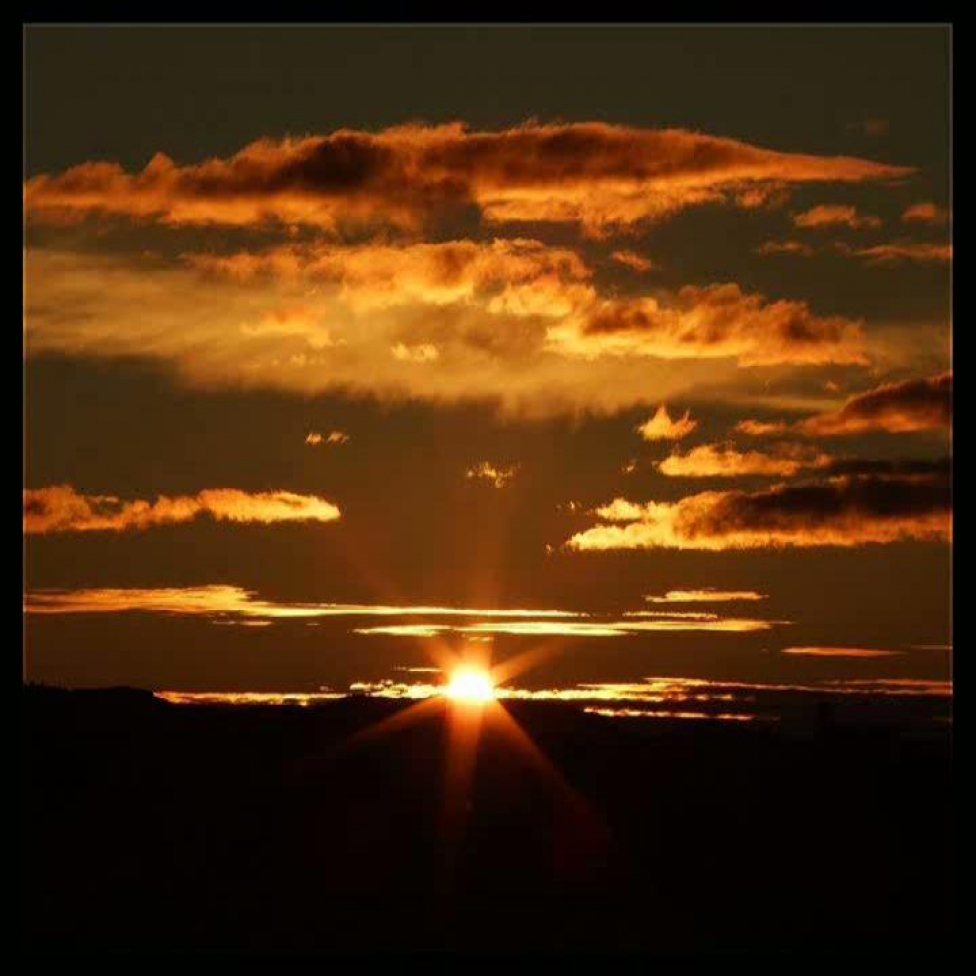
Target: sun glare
(470,685)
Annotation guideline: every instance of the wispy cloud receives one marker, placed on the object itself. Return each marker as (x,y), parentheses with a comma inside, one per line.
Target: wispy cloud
(61,508)
(925,213)
(497,475)
(896,408)
(632,623)
(787,247)
(760,428)
(727,461)
(707,595)
(847,652)
(545,341)
(884,255)
(897,253)
(334,437)
(375,275)
(303,699)
(222,603)
(912,405)
(832,215)
(633,260)
(219,600)
(719,321)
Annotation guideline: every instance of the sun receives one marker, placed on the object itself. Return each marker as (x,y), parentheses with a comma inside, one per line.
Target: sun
(470,685)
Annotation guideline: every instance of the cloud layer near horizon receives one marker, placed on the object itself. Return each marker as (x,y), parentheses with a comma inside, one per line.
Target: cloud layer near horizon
(218,600)
(233,604)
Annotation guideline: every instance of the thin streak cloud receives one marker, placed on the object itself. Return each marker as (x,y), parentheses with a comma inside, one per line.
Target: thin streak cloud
(845,652)
(218,599)
(706,596)
(61,508)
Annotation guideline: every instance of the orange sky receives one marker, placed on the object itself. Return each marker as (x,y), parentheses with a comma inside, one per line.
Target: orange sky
(504,360)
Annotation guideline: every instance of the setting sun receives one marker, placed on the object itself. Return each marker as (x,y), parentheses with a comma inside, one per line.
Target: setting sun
(465,511)
(470,685)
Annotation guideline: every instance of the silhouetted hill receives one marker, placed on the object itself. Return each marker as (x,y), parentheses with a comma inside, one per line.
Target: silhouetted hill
(152,826)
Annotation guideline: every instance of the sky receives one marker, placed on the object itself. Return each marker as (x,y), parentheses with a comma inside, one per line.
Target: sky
(623,350)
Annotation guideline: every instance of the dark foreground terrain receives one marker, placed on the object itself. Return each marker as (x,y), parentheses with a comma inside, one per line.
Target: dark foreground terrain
(156,827)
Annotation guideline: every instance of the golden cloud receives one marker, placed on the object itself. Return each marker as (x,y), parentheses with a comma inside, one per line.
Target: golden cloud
(878,255)
(889,254)
(573,628)
(516,273)
(707,595)
(600,176)
(925,213)
(786,247)
(224,604)
(496,342)
(725,461)
(633,260)
(759,428)
(848,652)
(612,695)
(60,508)
(496,475)
(847,510)
(661,427)
(219,600)
(715,321)
(835,216)
(335,437)
(898,408)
